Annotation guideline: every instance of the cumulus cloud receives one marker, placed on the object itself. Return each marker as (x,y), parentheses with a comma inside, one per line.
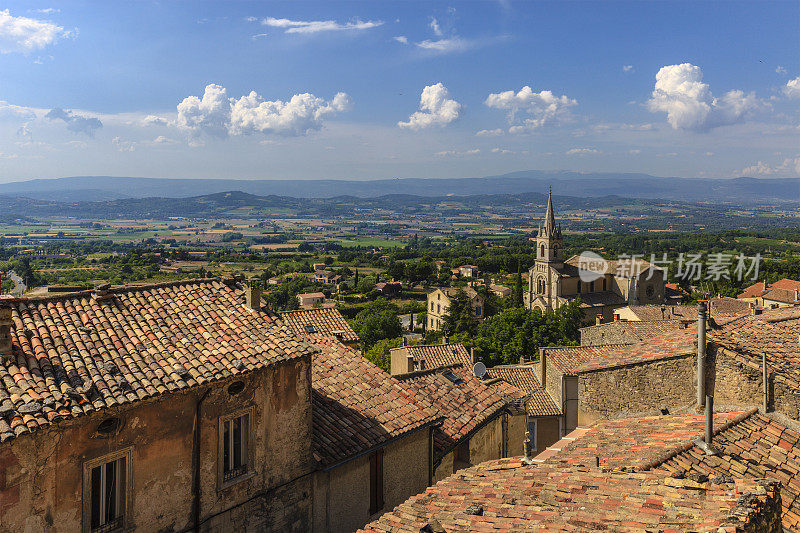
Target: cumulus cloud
(75,123)
(316,26)
(218,115)
(456,153)
(436,109)
(123,145)
(681,94)
(24,34)
(792,88)
(789,167)
(541,108)
(583,151)
(15,111)
(627,68)
(401,39)
(154,120)
(489,133)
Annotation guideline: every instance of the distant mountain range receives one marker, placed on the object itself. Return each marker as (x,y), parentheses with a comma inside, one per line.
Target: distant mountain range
(747,191)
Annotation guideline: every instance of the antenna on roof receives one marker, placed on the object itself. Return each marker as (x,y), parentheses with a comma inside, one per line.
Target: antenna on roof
(479,370)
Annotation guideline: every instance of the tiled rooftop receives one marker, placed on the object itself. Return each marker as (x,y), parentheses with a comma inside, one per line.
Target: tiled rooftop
(757,289)
(636,442)
(356,405)
(322,321)
(671,344)
(717,307)
(635,331)
(523,378)
(786,296)
(74,354)
(465,401)
(568,358)
(436,355)
(774,333)
(507,495)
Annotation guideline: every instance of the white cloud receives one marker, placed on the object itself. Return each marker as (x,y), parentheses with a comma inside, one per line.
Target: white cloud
(24,34)
(154,120)
(48,11)
(258,36)
(780,70)
(316,26)
(627,68)
(792,88)
(161,139)
(217,115)
(543,107)
(123,145)
(401,39)
(583,151)
(680,92)
(634,151)
(15,111)
(504,151)
(709,154)
(75,123)
(456,153)
(789,167)
(436,109)
(489,133)
(434,24)
(451,44)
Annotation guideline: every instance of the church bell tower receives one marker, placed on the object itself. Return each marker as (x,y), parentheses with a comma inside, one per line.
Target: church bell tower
(549,244)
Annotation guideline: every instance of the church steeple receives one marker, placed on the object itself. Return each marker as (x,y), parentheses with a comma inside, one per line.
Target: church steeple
(549,217)
(549,247)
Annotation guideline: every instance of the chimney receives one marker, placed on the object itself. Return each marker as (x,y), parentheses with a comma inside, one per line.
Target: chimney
(701,353)
(405,341)
(101,292)
(542,366)
(422,365)
(527,448)
(5,332)
(472,355)
(444,339)
(252,294)
(616,317)
(764,380)
(709,420)
(598,320)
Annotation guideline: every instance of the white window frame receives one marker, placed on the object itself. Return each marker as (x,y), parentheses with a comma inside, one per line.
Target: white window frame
(247,444)
(124,497)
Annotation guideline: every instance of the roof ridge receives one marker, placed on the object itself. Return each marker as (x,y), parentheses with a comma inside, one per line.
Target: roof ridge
(427,371)
(680,448)
(590,346)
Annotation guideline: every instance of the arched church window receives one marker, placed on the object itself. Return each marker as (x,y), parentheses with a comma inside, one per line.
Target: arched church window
(541,251)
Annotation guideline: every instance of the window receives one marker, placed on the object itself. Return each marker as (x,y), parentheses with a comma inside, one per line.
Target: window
(478,310)
(591,286)
(541,251)
(310,328)
(106,482)
(234,450)
(376,482)
(438,309)
(431,306)
(604,283)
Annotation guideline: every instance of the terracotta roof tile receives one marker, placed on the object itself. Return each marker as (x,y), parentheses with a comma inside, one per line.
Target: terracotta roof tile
(774,333)
(508,495)
(75,353)
(436,355)
(717,308)
(463,400)
(322,321)
(635,331)
(757,289)
(356,405)
(523,378)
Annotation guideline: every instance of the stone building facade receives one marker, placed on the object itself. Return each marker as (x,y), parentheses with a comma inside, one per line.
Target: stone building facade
(439,303)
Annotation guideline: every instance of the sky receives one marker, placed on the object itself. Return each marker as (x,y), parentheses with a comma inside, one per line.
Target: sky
(368,90)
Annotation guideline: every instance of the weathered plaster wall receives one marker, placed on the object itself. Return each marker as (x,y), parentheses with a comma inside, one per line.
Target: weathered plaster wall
(485,444)
(636,389)
(341,496)
(547,433)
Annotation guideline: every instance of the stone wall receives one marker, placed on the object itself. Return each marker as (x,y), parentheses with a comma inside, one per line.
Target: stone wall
(485,444)
(547,433)
(643,388)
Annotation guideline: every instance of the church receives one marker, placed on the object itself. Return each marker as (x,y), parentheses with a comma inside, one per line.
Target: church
(602,285)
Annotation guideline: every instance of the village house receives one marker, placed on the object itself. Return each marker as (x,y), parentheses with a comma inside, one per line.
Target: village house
(173,406)
(479,422)
(755,293)
(501,291)
(468,271)
(717,308)
(372,439)
(439,303)
(389,289)
(321,321)
(307,300)
(602,285)
(628,332)
(426,356)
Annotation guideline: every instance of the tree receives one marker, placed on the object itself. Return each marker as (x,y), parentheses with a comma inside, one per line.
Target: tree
(378,320)
(460,317)
(518,301)
(380,354)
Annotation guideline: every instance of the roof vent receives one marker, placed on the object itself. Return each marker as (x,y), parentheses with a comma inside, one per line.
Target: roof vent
(449,374)
(310,328)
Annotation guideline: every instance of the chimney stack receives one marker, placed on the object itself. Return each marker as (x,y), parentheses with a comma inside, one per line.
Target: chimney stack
(598,320)
(253,295)
(709,420)
(472,356)
(701,353)
(5,332)
(542,366)
(616,317)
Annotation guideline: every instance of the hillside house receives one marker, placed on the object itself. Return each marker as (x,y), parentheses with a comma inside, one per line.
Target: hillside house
(321,321)
(439,303)
(307,300)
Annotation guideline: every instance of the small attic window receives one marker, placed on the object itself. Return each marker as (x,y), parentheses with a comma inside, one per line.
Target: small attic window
(449,374)
(310,328)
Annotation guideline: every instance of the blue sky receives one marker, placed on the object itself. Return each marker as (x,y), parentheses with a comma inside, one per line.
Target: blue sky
(385,89)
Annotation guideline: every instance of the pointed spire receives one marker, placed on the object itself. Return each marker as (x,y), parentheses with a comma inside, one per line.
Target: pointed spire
(549,217)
